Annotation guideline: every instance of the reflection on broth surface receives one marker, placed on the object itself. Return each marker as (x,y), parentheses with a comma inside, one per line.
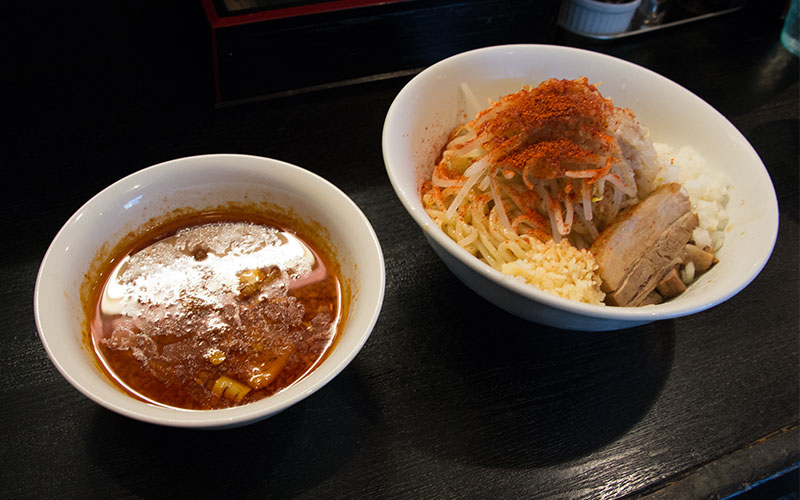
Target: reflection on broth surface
(215,311)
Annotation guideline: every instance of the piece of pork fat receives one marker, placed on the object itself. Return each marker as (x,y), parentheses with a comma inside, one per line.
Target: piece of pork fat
(643,245)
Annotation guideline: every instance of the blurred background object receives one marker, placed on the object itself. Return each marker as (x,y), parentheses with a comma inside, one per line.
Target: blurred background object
(271,46)
(597,17)
(592,18)
(790,35)
(702,7)
(651,12)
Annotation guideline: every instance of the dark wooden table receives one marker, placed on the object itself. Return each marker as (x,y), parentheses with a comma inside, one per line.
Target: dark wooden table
(437,404)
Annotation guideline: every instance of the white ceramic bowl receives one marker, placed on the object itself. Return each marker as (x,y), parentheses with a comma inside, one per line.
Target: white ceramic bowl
(593,17)
(431,105)
(202,182)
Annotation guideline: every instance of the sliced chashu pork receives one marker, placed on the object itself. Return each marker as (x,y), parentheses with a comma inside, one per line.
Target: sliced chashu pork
(643,245)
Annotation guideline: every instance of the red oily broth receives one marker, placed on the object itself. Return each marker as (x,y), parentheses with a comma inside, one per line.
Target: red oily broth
(215,309)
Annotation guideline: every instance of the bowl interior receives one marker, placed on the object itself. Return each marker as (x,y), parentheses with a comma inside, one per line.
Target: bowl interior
(202,182)
(432,104)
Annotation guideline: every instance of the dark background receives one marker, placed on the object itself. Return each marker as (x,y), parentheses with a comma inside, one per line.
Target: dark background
(439,403)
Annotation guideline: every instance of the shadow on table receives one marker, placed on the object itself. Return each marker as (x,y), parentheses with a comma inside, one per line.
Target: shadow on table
(515,394)
(283,456)
(777,146)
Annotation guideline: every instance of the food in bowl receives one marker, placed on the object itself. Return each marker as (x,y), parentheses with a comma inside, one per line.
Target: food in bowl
(286,196)
(430,106)
(214,309)
(555,185)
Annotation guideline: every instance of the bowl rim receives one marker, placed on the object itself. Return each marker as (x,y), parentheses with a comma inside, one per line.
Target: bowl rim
(666,310)
(238,415)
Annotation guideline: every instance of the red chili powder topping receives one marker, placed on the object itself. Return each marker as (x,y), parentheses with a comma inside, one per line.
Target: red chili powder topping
(548,158)
(558,126)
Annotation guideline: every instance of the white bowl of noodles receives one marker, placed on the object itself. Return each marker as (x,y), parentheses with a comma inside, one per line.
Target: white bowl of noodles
(427,110)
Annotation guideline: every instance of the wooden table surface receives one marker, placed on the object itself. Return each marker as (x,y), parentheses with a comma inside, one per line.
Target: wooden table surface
(438,404)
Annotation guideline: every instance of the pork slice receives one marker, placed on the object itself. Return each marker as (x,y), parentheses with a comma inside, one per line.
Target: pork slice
(652,298)
(623,243)
(655,263)
(671,285)
(636,148)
